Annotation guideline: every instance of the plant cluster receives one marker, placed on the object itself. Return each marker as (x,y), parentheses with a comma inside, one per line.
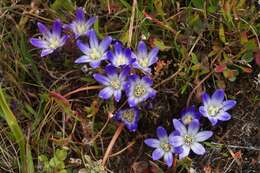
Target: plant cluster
(122,70)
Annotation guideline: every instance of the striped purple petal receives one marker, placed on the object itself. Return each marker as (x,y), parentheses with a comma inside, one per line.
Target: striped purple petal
(80,16)
(106,93)
(39,43)
(101,79)
(198,148)
(161,133)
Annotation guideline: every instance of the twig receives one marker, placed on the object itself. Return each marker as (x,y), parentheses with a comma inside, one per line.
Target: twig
(196,87)
(169,78)
(131,24)
(83,89)
(239,147)
(111,144)
(121,151)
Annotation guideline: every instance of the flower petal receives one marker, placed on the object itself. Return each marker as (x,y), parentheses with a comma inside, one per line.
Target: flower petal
(153,56)
(148,80)
(117,95)
(101,79)
(213,120)
(161,132)
(105,43)
(157,154)
(203,135)
(205,98)
(176,141)
(95,64)
(83,47)
(198,148)
(56,28)
(93,41)
(80,16)
(39,43)
(193,127)
(43,29)
(118,48)
(82,59)
(125,72)
(91,21)
(45,52)
(185,152)
(106,93)
(152,142)
(224,116)
(168,159)
(179,127)
(142,49)
(218,95)
(203,111)
(228,104)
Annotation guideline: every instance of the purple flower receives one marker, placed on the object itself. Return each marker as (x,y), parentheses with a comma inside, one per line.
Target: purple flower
(215,108)
(139,89)
(50,41)
(144,59)
(95,52)
(129,117)
(113,82)
(189,138)
(122,56)
(80,26)
(162,146)
(189,114)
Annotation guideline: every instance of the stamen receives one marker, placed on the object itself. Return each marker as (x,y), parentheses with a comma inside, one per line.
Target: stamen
(121,60)
(213,110)
(166,146)
(139,90)
(128,115)
(143,62)
(188,139)
(81,28)
(95,54)
(54,43)
(187,119)
(116,84)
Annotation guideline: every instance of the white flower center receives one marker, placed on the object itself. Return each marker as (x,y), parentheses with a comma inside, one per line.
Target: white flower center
(116,84)
(213,110)
(81,28)
(143,62)
(95,54)
(165,146)
(139,90)
(187,119)
(188,140)
(54,42)
(128,115)
(121,60)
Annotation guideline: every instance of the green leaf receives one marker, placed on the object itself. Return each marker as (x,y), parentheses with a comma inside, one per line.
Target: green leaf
(24,150)
(61,154)
(198,3)
(222,33)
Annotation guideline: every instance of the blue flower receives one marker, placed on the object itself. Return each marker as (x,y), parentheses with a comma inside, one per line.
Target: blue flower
(162,146)
(80,26)
(50,41)
(95,52)
(215,108)
(189,138)
(114,82)
(139,89)
(122,56)
(189,114)
(129,117)
(144,59)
